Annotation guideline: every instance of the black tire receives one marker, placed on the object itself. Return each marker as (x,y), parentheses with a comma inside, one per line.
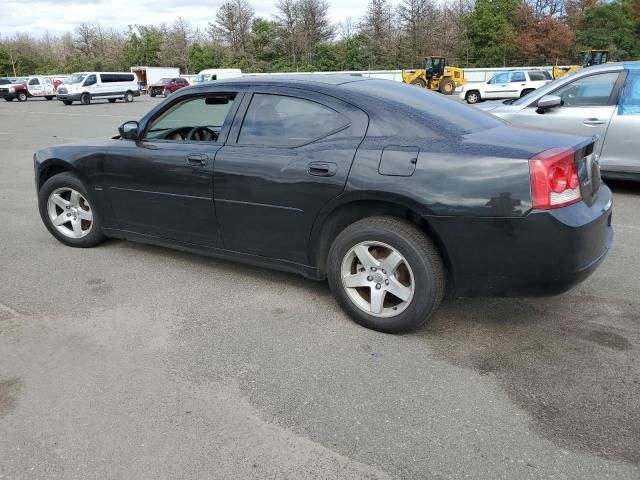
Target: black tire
(68,180)
(419,82)
(128,97)
(447,86)
(166,92)
(48,97)
(112,100)
(526,91)
(8,99)
(85,99)
(21,96)
(152,94)
(67,102)
(472,97)
(420,253)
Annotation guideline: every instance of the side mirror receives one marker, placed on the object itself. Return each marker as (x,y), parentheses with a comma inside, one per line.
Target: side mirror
(547,102)
(129,130)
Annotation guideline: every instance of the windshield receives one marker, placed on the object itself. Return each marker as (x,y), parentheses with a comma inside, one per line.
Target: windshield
(75,78)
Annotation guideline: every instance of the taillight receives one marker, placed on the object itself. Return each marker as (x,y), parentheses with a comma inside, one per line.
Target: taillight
(554,178)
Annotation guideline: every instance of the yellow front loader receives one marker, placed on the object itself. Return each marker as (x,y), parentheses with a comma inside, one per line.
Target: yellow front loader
(589,58)
(435,76)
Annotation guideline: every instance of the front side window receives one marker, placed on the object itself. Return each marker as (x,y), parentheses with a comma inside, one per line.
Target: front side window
(518,77)
(91,80)
(198,119)
(591,91)
(34,81)
(500,78)
(75,78)
(277,120)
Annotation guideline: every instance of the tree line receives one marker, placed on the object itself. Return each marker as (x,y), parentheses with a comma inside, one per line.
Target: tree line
(301,37)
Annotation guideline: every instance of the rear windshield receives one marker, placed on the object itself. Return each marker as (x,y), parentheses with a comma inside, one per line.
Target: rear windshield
(437,111)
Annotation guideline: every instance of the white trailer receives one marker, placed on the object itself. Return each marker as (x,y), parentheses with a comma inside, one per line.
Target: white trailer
(148,75)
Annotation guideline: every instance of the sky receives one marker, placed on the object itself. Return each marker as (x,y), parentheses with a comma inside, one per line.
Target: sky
(60,16)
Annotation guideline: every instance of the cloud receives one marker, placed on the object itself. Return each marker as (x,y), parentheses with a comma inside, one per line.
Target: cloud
(61,16)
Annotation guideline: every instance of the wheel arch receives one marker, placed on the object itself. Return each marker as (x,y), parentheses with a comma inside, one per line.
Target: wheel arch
(332,220)
(55,166)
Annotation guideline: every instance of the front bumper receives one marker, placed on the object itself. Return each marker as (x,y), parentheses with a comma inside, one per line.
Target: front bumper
(8,95)
(547,252)
(74,97)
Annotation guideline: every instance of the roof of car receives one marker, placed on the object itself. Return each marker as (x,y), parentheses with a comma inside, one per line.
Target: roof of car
(327,79)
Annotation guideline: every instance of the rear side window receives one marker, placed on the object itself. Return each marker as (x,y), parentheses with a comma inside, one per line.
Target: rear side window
(116,77)
(278,120)
(591,91)
(517,77)
(538,76)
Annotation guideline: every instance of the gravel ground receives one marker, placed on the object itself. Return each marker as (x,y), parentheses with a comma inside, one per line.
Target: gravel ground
(133,361)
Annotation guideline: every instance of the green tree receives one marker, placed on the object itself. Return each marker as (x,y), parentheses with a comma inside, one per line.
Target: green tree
(614,26)
(490,33)
(143,45)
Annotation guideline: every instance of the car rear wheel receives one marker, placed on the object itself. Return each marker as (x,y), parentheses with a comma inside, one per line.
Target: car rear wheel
(67,211)
(166,92)
(112,100)
(128,97)
(472,97)
(67,102)
(386,274)
(21,96)
(526,91)
(48,97)
(85,99)
(8,99)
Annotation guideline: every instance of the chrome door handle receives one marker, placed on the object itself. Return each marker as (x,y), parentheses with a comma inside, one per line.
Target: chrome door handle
(196,160)
(322,169)
(594,121)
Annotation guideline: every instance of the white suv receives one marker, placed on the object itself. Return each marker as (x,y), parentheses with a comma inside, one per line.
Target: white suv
(511,84)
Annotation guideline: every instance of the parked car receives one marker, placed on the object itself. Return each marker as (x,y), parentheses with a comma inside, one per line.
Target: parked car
(387,190)
(602,101)
(167,86)
(33,87)
(88,86)
(512,84)
(213,74)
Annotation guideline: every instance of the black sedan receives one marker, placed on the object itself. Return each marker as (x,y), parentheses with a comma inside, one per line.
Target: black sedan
(388,191)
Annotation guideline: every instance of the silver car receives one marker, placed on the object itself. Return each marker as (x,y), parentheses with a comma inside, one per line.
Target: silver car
(602,101)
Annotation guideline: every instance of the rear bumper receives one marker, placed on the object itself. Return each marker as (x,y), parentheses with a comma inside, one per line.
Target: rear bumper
(543,253)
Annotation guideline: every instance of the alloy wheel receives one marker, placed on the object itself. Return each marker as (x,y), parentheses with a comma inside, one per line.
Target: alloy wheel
(378,279)
(70,212)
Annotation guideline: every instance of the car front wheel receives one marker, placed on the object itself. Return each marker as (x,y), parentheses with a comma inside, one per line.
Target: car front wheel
(386,274)
(21,96)
(472,97)
(68,213)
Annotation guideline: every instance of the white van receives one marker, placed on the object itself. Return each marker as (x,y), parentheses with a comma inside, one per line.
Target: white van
(87,86)
(216,74)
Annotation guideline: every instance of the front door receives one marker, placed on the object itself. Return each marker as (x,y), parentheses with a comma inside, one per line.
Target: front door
(587,106)
(34,86)
(287,156)
(497,86)
(162,185)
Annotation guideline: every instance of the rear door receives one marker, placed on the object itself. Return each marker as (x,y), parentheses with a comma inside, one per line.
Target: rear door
(288,154)
(517,83)
(588,105)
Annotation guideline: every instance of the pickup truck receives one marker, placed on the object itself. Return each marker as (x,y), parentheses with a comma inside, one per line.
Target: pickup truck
(32,87)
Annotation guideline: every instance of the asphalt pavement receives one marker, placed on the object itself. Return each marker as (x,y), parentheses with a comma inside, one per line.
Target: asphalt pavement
(129,361)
